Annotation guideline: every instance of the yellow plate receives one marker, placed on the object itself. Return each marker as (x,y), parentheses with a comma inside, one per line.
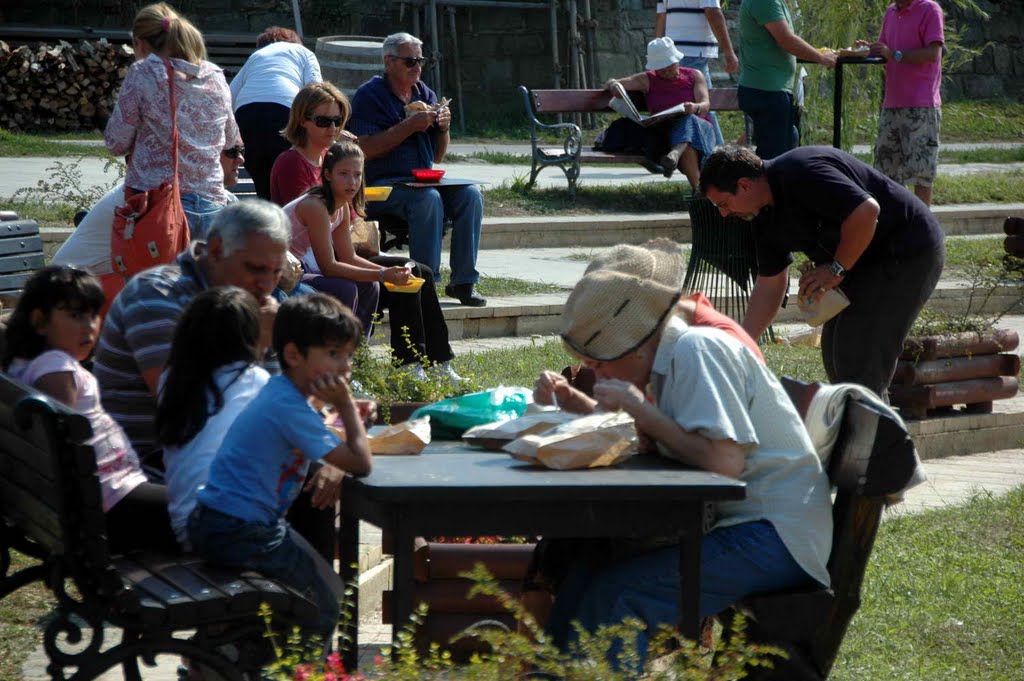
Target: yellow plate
(377,193)
(412,286)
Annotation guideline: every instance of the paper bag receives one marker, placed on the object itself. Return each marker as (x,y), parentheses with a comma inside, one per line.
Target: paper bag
(497,434)
(602,439)
(407,437)
(366,238)
(831,303)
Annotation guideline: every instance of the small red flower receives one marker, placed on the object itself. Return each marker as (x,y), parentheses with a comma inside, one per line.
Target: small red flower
(302,672)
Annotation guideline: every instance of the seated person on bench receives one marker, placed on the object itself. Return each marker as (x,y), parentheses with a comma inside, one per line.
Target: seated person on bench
(401,127)
(715,406)
(689,138)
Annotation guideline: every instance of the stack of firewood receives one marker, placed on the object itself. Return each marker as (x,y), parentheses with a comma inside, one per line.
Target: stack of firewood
(60,87)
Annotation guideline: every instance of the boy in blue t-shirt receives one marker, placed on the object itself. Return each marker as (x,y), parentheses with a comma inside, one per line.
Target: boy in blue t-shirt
(262,463)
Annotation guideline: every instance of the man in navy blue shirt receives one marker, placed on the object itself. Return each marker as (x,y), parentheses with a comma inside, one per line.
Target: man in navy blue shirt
(866,235)
(396,137)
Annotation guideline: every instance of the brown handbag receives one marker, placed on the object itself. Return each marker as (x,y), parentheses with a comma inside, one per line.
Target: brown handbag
(151,228)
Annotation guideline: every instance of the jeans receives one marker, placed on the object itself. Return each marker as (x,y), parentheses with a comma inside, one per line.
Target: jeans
(425,209)
(200,212)
(736,561)
(701,64)
(275,550)
(772,115)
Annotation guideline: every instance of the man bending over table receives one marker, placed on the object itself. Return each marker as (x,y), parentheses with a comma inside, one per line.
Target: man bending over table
(401,127)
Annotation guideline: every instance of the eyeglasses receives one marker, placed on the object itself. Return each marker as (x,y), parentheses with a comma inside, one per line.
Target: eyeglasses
(411,61)
(325,121)
(235,151)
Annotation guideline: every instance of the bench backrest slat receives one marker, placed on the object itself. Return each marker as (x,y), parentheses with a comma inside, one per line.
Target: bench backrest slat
(572,101)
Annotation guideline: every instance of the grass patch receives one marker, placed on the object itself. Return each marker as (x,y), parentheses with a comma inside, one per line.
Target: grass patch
(941,597)
(513,199)
(514,366)
(966,254)
(20,144)
(982,155)
(46,214)
(503,286)
(20,613)
(979,188)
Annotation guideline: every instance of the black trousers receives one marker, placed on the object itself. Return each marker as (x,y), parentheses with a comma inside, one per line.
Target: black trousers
(141,521)
(420,313)
(261,124)
(862,343)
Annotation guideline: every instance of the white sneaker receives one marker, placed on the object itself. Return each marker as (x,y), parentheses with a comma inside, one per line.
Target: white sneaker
(445,371)
(414,371)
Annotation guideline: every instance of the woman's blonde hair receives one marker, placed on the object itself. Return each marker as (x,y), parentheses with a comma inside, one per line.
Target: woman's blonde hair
(168,33)
(308,98)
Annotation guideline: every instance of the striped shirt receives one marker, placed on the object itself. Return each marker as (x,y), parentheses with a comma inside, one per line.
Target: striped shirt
(687,25)
(136,337)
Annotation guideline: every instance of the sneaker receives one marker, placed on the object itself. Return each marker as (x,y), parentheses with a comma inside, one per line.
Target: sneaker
(445,371)
(466,294)
(414,371)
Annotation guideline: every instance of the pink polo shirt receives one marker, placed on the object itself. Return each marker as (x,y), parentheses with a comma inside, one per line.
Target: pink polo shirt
(917,26)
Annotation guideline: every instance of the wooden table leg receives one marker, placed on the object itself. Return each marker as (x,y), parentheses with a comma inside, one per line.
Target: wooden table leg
(689,570)
(402,579)
(348,550)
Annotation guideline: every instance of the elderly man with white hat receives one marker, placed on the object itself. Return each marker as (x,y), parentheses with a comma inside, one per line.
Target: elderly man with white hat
(702,398)
(666,84)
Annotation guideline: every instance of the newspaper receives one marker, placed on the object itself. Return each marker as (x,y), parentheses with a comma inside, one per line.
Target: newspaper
(623,105)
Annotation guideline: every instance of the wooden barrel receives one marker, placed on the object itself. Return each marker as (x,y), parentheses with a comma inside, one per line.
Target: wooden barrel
(348,61)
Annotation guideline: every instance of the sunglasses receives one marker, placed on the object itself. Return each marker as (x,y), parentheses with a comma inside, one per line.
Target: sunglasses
(326,121)
(411,61)
(235,151)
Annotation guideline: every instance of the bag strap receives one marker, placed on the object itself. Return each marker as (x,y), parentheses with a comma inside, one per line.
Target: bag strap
(174,118)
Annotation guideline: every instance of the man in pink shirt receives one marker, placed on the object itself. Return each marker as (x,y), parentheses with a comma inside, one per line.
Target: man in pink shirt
(911,42)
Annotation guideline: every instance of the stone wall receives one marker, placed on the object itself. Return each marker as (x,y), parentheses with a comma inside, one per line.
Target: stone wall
(499,49)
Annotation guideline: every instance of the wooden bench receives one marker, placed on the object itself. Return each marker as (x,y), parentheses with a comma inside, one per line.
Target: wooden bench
(50,510)
(570,154)
(21,254)
(873,458)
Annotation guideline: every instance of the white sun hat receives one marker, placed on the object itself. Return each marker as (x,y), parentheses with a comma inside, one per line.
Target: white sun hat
(662,52)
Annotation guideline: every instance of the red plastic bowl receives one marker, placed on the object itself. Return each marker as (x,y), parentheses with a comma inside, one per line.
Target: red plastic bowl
(427,174)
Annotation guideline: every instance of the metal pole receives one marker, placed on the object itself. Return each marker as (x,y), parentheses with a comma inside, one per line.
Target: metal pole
(458,70)
(588,20)
(298,18)
(555,68)
(435,47)
(574,45)
(417,29)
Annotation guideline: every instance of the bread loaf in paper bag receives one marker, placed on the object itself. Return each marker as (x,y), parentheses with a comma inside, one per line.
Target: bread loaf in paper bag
(601,439)
(499,433)
(407,437)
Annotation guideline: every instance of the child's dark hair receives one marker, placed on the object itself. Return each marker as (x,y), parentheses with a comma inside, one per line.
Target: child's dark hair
(51,287)
(316,319)
(339,151)
(220,326)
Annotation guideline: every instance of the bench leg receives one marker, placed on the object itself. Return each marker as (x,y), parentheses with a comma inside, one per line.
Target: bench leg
(535,169)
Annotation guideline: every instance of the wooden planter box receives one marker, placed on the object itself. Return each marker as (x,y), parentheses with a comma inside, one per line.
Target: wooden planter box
(449,610)
(399,411)
(1013,244)
(939,372)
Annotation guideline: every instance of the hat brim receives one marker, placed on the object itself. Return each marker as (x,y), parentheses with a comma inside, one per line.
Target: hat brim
(664,61)
(575,347)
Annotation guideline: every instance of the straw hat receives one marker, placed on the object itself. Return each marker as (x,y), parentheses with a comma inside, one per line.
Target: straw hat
(622,300)
(662,52)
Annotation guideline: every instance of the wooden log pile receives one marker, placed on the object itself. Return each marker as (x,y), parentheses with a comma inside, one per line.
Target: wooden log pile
(935,373)
(62,86)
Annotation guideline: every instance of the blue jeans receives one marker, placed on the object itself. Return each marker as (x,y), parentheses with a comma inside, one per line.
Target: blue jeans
(275,550)
(425,210)
(771,112)
(701,64)
(736,561)
(200,212)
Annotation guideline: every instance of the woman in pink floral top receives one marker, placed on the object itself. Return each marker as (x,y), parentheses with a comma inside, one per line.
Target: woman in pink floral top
(140,126)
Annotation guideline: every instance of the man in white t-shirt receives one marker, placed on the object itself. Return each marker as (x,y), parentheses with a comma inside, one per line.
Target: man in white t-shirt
(698,29)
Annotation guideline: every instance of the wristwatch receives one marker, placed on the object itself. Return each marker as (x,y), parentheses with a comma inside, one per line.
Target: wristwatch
(898,55)
(837,269)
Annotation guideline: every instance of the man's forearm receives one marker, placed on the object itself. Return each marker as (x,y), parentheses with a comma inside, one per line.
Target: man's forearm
(441,146)
(383,143)
(765,300)
(716,20)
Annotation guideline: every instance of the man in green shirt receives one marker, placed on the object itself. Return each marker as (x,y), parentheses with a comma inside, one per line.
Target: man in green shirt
(769,50)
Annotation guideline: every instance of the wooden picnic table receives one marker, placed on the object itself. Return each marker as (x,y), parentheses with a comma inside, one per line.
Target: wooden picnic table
(455,490)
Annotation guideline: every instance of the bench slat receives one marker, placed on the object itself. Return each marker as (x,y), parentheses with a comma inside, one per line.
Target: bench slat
(19,244)
(28,454)
(211,602)
(37,519)
(244,596)
(18,228)
(570,101)
(29,262)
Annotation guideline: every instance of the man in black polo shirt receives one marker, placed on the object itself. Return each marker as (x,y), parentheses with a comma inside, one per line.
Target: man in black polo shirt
(865,234)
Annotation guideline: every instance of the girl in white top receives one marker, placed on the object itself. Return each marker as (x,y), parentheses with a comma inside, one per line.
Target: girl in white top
(202,392)
(53,328)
